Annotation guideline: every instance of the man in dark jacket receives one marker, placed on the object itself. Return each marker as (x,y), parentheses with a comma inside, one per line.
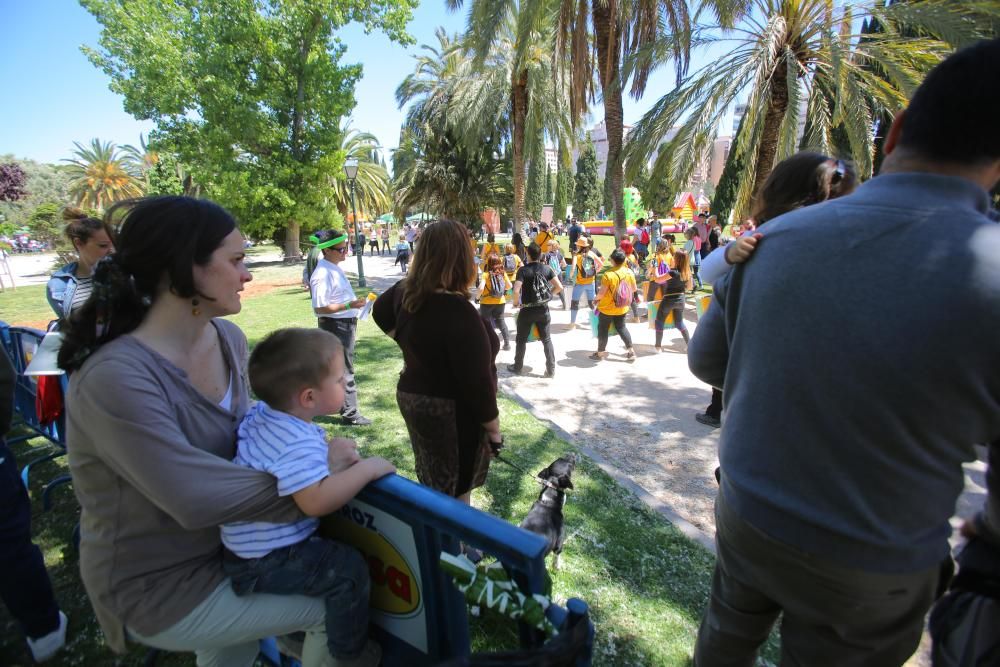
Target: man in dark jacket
(845,434)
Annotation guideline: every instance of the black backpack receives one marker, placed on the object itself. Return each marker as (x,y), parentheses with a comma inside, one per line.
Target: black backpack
(964,623)
(539,287)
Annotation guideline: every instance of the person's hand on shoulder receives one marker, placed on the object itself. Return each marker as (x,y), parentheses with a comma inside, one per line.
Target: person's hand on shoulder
(740,250)
(342,453)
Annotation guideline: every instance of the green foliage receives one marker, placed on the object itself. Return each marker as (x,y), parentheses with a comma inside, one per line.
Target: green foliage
(657,194)
(804,53)
(165,177)
(46,223)
(102,174)
(45,183)
(729,182)
(534,196)
(561,194)
(587,194)
(255,110)
(447,161)
(548,184)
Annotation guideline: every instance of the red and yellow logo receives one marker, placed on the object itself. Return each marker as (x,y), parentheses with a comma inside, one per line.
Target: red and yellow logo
(394,588)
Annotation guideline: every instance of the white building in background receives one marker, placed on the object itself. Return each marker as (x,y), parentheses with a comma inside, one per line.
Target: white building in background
(599,135)
(552,159)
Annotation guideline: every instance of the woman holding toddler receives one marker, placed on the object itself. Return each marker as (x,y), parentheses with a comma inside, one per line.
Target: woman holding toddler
(157,392)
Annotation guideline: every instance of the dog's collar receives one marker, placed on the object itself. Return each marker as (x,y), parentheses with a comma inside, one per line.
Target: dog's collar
(547,483)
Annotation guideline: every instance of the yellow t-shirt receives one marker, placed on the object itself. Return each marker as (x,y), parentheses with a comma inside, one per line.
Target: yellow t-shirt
(611,280)
(541,238)
(492,247)
(517,265)
(487,295)
(654,265)
(578,262)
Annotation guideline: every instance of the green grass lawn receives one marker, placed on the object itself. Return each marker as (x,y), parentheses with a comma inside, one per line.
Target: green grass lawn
(646,584)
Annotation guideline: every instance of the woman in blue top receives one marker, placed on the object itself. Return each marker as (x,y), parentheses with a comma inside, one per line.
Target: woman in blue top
(70,286)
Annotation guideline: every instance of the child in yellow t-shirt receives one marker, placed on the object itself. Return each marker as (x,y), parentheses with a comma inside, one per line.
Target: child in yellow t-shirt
(491,246)
(511,262)
(658,271)
(586,266)
(493,296)
(613,301)
(543,236)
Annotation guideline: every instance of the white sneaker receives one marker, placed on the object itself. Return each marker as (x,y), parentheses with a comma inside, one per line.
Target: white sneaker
(45,647)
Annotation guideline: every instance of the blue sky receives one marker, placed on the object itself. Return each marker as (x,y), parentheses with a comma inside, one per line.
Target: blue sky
(54,96)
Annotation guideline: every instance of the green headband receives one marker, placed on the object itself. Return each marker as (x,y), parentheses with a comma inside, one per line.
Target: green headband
(323,245)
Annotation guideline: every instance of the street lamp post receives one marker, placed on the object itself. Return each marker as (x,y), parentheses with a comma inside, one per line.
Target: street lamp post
(351,170)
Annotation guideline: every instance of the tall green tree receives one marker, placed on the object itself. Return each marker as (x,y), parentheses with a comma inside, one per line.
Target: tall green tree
(729,182)
(436,168)
(102,174)
(372,191)
(560,195)
(249,93)
(548,183)
(628,42)
(795,53)
(587,195)
(535,196)
(515,82)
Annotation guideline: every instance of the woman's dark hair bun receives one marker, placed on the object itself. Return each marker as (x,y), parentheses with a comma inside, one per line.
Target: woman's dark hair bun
(71,213)
(162,239)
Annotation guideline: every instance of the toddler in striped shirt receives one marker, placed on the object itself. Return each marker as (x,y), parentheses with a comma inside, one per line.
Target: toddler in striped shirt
(299,374)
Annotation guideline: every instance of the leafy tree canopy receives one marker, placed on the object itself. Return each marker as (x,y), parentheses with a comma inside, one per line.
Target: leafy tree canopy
(44,183)
(256,108)
(588,195)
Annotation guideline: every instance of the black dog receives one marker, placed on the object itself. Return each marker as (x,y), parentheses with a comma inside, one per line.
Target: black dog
(546,516)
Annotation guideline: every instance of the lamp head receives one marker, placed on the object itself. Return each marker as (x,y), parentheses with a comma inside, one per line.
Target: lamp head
(351,168)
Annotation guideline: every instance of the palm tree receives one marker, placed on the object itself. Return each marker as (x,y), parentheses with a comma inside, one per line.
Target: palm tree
(619,29)
(371,187)
(792,54)
(514,84)
(437,170)
(429,86)
(141,160)
(101,175)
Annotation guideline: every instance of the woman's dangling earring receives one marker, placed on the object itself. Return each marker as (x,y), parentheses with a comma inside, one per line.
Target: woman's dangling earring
(195,310)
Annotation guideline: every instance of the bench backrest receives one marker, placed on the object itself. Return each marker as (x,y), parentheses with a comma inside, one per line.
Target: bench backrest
(402,527)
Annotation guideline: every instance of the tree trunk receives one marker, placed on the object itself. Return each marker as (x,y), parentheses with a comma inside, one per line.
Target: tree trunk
(292,250)
(519,96)
(607,36)
(776,108)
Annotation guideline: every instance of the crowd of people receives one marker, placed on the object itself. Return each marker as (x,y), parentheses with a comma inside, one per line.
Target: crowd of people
(847,415)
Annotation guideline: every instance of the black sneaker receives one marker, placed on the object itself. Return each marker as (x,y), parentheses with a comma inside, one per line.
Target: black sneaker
(357,420)
(515,370)
(708,420)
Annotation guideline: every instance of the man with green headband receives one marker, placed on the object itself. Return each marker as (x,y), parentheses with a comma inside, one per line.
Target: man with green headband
(336,307)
